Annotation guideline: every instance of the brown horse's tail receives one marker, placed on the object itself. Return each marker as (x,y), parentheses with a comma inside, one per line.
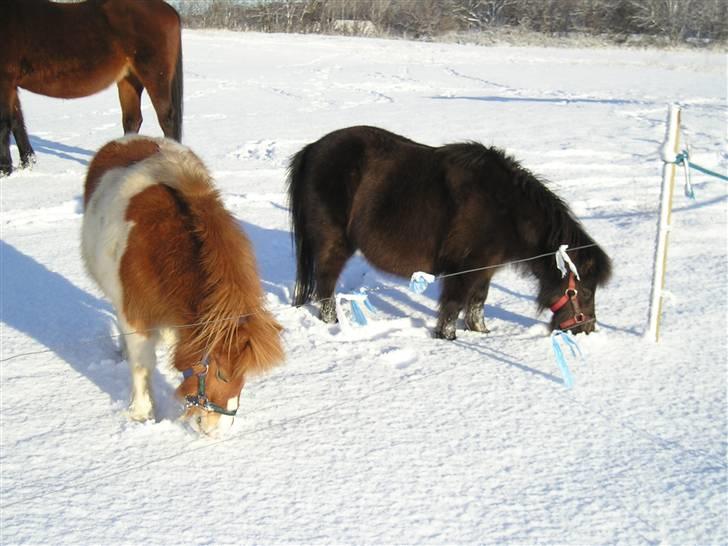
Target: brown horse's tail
(305,281)
(177,91)
(232,293)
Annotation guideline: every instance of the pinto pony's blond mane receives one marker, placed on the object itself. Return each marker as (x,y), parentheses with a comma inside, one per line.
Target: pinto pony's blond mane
(232,297)
(224,309)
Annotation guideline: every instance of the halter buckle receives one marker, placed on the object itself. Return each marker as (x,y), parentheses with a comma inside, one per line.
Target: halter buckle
(196,400)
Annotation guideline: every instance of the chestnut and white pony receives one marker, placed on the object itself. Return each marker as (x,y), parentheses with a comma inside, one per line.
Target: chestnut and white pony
(158,241)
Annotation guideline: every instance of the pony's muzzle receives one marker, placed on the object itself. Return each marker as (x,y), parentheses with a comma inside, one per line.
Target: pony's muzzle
(207,422)
(583,325)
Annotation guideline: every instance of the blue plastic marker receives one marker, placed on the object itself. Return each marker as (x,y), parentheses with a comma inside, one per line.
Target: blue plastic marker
(559,354)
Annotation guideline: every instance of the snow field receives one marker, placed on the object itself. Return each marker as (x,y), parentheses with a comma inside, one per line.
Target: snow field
(387,436)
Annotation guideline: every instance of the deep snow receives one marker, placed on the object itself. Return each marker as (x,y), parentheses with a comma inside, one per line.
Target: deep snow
(388,436)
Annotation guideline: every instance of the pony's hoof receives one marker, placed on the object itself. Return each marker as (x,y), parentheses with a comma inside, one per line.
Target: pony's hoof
(478,326)
(27,162)
(446,334)
(5,170)
(328,313)
(328,319)
(141,414)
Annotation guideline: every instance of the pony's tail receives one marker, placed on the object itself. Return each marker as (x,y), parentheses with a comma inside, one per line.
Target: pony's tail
(305,280)
(178,91)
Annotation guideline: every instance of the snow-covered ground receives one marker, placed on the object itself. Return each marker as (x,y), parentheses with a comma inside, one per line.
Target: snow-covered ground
(389,436)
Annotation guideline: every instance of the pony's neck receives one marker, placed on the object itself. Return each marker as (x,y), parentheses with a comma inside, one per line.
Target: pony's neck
(558,227)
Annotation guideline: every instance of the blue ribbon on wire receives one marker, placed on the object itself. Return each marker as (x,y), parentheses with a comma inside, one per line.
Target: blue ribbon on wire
(684,156)
(359,316)
(420,281)
(358,313)
(559,354)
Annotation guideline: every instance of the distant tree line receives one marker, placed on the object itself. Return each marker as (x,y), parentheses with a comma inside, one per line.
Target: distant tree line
(674,21)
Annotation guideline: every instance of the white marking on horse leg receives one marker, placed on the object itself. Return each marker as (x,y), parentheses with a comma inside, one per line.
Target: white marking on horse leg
(142,359)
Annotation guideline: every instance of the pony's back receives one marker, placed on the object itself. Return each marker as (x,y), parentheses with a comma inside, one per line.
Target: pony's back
(331,171)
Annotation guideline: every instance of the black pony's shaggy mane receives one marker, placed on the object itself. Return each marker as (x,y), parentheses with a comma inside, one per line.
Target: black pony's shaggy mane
(531,189)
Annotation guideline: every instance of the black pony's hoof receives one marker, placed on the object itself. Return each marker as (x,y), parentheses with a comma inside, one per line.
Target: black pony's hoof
(6,170)
(27,162)
(449,335)
(328,312)
(446,328)
(478,326)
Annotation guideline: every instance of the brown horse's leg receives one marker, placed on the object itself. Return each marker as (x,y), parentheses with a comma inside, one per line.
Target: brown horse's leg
(474,317)
(330,261)
(159,92)
(27,155)
(165,91)
(130,97)
(6,100)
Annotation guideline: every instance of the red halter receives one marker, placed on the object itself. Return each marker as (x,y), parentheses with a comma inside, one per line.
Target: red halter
(570,296)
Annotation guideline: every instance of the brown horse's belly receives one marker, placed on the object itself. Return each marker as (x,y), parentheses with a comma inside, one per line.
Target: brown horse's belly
(73,83)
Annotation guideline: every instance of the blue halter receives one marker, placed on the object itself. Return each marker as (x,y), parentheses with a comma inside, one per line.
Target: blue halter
(200,399)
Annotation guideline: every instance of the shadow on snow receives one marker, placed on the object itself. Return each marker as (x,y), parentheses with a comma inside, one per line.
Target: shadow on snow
(67,320)
(50,147)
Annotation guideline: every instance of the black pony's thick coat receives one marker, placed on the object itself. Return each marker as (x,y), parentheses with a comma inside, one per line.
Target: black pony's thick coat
(411,207)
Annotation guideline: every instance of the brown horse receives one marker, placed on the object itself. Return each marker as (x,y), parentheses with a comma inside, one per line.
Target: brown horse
(410,207)
(74,50)
(159,243)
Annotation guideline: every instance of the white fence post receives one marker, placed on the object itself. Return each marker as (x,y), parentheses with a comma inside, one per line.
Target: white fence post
(669,151)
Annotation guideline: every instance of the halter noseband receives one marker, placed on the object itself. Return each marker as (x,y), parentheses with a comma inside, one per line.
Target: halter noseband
(570,297)
(200,399)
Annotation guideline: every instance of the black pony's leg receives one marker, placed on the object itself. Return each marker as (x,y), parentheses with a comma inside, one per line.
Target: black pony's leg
(27,155)
(331,259)
(474,318)
(454,291)
(461,291)
(6,162)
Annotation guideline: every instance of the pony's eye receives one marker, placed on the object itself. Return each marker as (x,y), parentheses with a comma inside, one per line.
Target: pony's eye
(221,377)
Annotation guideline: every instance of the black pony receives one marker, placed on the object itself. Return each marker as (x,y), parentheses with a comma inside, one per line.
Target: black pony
(410,207)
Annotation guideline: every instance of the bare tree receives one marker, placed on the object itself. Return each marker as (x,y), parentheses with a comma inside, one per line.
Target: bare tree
(674,20)
(668,17)
(479,14)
